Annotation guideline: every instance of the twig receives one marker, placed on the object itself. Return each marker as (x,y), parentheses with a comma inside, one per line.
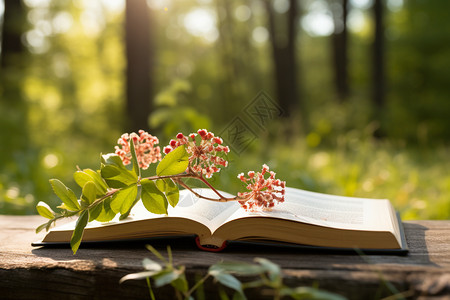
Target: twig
(221,199)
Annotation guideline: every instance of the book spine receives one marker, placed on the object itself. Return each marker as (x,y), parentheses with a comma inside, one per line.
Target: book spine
(210,248)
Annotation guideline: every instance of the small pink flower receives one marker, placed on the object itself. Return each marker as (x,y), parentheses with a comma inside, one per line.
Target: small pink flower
(264,193)
(144,145)
(205,156)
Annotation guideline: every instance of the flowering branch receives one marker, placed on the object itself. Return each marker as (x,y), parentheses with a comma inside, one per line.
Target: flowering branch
(116,188)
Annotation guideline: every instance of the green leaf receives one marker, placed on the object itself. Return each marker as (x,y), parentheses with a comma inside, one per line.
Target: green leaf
(156,253)
(180,283)
(95,211)
(125,215)
(153,199)
(254,284)
(136,199)
(222,294)
(272,269)
(110,171)
(115,174)
(49,224)
(117,177)
(241,268)
(45,210)
(136,168)
(89,193)
(161,185)
(151,265)
(63,206)
(168,186)
(83,177)
(309,293)
(97,179)
(172,192)
(137,276)
(175,162)
(66,195)
(227,280)
(106,214)
(123,200)
(165,277)
(42,226)
(112,159)
(239,296)
(79,230)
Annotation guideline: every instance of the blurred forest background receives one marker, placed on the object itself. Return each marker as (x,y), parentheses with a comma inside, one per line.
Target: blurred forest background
(363,87)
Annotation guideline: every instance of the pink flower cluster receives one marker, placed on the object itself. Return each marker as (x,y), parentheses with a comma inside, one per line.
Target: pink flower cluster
(204,156)
(263,192)
(144,145)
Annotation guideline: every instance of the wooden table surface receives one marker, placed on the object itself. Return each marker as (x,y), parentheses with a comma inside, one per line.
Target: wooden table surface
(94,272)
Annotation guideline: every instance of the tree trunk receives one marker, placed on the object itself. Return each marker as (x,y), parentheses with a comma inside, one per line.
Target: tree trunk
(225,46)
(138,56)
(378,56)
(13,107)
(12,30)
(378,82)
(339,49)
(284,58)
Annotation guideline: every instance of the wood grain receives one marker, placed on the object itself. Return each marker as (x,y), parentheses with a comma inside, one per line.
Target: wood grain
(94,273)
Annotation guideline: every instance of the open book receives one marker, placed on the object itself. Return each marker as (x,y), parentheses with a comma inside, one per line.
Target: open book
(305,218)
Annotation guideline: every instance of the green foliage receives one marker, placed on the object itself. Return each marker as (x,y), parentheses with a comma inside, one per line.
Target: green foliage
(44,210)
(417,107)
(115,174)
(170,189)
(66,195)
(228,280)
(89,175)
(123,199)
(153,199)
(173,163)
(89,193)
(77,234)
(174,113)
(136,168)
(43,226)
(106,214)
(268,277)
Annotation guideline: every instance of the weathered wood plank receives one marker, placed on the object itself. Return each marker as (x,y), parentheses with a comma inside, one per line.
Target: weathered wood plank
(54,273)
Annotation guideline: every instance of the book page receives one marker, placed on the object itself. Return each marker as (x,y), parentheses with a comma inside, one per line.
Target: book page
(328,211)
(209,213)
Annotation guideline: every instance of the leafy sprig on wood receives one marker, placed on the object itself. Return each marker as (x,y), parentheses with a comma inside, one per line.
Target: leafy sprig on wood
(267,277)
(118,185)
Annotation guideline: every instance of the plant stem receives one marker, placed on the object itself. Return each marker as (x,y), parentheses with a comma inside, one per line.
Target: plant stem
(177,178)
(211,187)
(152,296)
(196,286)
(221,199)
(182,175)
(102,198)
